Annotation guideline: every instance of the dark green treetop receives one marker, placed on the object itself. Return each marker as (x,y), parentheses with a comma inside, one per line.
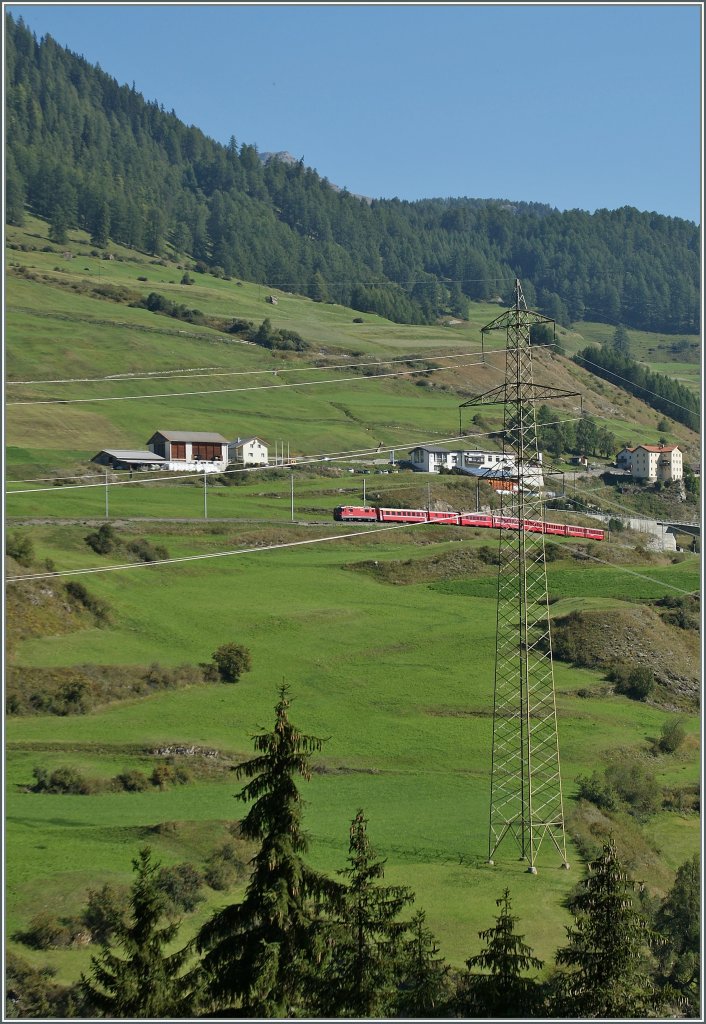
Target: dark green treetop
(257,953)
(501,987)
(359,977)
(608,966)
(145,981)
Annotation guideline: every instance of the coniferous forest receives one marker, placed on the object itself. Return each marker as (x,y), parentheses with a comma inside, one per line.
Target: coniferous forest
(85,152)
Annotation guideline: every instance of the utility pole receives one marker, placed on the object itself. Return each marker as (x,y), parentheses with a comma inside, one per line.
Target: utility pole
(525,796)
(107,510)
(205,495)
(291,480)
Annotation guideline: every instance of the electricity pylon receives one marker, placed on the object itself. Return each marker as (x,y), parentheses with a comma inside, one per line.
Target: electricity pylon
(525,795)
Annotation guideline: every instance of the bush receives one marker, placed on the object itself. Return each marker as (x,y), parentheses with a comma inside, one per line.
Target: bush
(132,781)
(594,789)
(61,780)
(181,885)
(45,931)
(19,546)
(105,909)
(145,551)
(231,660)
(104,540)
(82,596)
(634,681)
(635,786)
(671,736)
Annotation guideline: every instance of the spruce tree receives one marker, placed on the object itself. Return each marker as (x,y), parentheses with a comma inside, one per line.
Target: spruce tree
(678,922)
(145,981)
(501,989)
(360,976)
(424,983)
(609,969)
(257,953)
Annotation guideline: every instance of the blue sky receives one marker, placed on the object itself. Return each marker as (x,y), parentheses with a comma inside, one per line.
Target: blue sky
(575,105)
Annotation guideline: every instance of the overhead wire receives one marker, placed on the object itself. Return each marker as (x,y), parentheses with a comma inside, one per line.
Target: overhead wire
(301,461)
(28,577)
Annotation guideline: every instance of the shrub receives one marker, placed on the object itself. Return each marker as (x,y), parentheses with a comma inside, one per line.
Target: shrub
(672,735)
(45,931)
(19,546)
(132,781)
(96,605)
(634,681)
(61,780)
(231,660)
(635,786)
(145,551)
(105,909)
(104,540)
(594,788)
(181,885)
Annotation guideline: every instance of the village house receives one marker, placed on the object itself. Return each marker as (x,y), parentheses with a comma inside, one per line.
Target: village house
(249,451)
(490,465)
(190,450)
(657,462)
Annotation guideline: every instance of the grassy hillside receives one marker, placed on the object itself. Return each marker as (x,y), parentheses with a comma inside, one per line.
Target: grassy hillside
(60,329)
(395,668)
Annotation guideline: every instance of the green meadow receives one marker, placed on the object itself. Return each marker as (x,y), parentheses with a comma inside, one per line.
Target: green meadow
(397,678)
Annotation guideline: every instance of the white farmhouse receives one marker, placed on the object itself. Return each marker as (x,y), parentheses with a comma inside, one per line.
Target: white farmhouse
(657,462)
(249,451)
(190,450)
(491,465)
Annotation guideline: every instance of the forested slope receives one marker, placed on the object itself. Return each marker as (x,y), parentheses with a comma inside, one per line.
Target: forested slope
(84,151)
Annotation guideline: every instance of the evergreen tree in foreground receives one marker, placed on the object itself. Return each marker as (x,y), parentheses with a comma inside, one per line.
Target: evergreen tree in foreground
(360,975)
(146,982)
(501,990)
(678,921)
(257,953)
(609,968)
(424,983)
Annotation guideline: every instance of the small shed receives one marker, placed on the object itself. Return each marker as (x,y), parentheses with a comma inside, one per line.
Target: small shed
(124,458)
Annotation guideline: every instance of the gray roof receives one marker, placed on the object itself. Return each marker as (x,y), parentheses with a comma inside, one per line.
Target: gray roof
(128,455)
(190,435)
(245,440)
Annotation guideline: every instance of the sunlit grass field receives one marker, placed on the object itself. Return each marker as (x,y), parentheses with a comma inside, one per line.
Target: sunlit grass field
(398,679)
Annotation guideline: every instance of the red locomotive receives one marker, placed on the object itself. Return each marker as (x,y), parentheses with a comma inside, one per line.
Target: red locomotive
(366,514)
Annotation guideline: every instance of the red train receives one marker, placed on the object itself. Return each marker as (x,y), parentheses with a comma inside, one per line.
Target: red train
(366,513)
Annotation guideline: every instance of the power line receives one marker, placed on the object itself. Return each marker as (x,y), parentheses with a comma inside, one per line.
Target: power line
(224,391)
(302,461)
(278,547)
(627,380)
(219,372)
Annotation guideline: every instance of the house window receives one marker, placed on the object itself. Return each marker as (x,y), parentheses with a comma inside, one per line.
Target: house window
(206,452)
(178,450)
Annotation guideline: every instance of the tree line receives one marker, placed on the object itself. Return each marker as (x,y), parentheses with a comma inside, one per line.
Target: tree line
(84,152)
(300,943)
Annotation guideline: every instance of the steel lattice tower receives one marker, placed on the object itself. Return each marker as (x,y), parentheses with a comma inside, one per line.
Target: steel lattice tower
(525,797)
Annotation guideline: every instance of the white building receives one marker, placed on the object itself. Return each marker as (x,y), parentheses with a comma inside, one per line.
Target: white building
(492,465)
(657,462)
(250,451)
(190,450)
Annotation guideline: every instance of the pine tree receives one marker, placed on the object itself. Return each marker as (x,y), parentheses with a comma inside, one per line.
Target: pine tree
(621,341)
(145,982)
(360,976)
(257,953)
(502,990)
(424,983)
(609,967)
(678,923)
